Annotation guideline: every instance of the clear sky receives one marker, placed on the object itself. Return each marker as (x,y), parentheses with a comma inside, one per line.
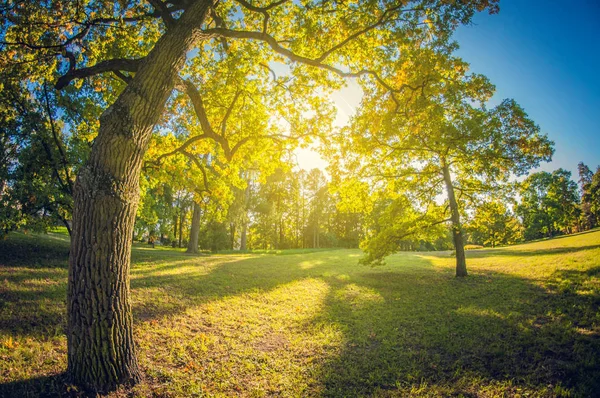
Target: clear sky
(545,55)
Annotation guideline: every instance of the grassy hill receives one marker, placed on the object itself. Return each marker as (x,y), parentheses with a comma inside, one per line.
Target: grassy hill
(526,322)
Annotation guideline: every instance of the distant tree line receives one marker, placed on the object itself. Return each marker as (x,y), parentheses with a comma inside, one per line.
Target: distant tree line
(549,204)
(287,209)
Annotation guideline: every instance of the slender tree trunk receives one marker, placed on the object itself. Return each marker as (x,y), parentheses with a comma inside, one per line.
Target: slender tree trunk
(175,226)
(244,232)
(244,237)
(181,221)
(459,246)
(316,236)
(297,226)
(304,229)
(194,230)
(232,229)
(281,234)
(101,350)
(63,220)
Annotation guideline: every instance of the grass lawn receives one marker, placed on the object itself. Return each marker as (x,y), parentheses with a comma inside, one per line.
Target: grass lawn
(526,322)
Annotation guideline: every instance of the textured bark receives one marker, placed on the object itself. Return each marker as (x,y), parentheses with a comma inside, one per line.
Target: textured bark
(101,350)
(459,246)
(194,230)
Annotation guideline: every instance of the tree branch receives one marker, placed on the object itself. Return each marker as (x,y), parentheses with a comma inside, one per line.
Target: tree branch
(421,227)
(275,46)
(162,10)
(261,10)
(198,164)
(198,104)
(64,161)
(87,25)
(111,65)
(381,21)
(183,147)
(228,113)
(190,156)
(122,76)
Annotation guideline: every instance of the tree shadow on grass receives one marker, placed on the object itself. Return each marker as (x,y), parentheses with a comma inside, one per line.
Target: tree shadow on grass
(402,326)
(39,387)
(575,294)
(528,253)
(171,288)
(32,301)
(488,328)
(50,386)
(418,324)
(33,281)
(20,250)
(52,251)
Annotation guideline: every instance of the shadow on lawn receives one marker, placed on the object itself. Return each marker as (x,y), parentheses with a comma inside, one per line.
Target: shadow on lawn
(427,326)
(217,277)
(424,327)
(527,253)
(491,327)
(39,387)
(22,250)
(33,282)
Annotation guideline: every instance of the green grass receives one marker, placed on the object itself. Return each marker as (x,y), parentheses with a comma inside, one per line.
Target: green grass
(526,322)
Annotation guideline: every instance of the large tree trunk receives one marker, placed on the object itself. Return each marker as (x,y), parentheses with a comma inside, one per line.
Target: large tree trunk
(194,230)
(459,246)
(101,351)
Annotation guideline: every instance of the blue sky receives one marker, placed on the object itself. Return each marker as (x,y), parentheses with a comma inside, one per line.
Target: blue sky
(545,55)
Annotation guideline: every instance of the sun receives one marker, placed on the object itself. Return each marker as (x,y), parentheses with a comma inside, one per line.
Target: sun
(309,158)
(346,100)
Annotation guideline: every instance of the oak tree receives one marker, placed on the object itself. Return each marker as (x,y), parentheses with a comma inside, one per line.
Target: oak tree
(442,138)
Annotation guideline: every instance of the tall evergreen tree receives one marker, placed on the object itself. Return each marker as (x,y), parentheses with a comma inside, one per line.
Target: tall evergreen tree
(588,218)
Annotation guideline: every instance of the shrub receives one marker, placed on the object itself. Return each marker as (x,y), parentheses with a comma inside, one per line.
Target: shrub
(473,247)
